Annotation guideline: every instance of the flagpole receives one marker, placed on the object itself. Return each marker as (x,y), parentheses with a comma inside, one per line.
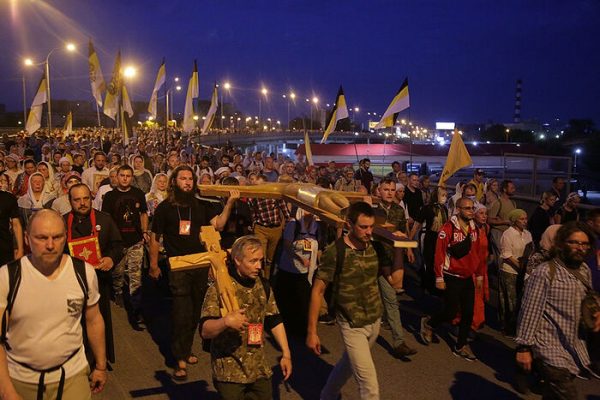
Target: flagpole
(411,140)
(166,109)
(98,114)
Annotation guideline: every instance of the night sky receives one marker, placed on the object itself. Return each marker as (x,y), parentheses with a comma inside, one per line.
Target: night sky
(461,57)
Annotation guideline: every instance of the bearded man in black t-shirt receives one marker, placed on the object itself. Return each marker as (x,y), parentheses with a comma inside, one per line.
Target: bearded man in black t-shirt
(178,220)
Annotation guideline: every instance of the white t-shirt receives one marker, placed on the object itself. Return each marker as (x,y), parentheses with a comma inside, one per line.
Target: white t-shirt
(45,323)
(512,244)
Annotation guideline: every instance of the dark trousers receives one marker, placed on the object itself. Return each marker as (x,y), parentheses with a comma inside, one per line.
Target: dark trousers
(558,383)
(458,296)
(292,292)
(188,289)
(258,390)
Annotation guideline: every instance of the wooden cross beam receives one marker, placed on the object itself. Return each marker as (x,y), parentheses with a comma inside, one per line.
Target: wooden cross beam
(329,205)
(216,259)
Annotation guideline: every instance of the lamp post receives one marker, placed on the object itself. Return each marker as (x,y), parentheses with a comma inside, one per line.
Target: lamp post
(226,86)
(576,152)
(27,63)
(70,47)
(169,102)
(290,97)
(315,101)
(264,92)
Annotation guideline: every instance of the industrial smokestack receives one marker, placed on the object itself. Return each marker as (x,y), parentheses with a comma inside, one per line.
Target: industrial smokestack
(518,91)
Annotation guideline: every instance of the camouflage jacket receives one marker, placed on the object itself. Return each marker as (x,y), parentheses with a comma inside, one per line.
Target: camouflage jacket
(232,359)
(358,297)
(394,215)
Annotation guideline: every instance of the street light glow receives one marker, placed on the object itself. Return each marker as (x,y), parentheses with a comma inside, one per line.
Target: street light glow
(315,100)
(227,85)
(178,87)
(129,71)
(28,62)
(176,79)
(293,95)
(356,109)
(70,47)
(264,91)
(577,151)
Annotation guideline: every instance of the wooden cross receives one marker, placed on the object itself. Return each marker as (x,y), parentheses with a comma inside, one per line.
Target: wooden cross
(216,259)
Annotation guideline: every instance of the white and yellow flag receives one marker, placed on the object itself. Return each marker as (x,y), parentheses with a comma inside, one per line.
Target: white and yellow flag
(192,93)
(210,115)
(458,157)
(160,80)
(340,111)
(111,102)
(126,101)
(34,120)
(400,102)
(96,78)
(68,128)
(307,148)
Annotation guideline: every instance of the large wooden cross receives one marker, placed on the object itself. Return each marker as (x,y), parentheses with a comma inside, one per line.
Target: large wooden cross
(328,205)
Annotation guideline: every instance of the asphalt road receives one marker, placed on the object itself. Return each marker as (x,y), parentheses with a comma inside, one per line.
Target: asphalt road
(141,369)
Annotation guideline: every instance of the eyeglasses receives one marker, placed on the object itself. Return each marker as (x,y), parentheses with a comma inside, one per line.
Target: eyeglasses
(576,243)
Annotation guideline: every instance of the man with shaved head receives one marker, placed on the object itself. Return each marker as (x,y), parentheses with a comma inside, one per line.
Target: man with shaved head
(42,352)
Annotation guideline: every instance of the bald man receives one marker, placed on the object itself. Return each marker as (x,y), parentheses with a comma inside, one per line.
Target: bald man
(42,351)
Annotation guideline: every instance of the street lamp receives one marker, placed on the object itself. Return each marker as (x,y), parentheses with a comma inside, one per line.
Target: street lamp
(130,71)
(169,101)
(290,97)
(315,101)
(226,86)
(577,152)
(70,47)
(264,92)
(27,63)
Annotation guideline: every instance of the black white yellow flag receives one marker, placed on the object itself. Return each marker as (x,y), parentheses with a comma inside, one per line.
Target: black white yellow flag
(160,80)
(307,149)
(458,157)
(96,78)
(192,93)
(34,119)
(68,128)
(126,126)
(126,101)
(340,111)
(111,102)
(399,103)
(210,115)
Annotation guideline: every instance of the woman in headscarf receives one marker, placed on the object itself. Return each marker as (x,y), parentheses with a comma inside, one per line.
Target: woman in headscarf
(158,192)
(142,178)
(5,183)
(543,250)
(432,217)
(50,185)
(515,246)
(35,199)
(62,203)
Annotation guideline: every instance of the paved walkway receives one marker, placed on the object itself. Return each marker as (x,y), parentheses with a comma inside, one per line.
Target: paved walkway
(434,373)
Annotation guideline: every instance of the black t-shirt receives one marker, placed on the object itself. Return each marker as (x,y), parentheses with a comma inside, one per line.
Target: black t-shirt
(538,222)
(166,222)
(414,202)
(8,210)
(125,208)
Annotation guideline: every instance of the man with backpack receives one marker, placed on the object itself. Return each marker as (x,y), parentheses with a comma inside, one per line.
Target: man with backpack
(351,266)
(558,308)
(239,366)
(47,297)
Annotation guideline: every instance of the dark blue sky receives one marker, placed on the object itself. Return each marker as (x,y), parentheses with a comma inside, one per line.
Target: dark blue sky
(461,57)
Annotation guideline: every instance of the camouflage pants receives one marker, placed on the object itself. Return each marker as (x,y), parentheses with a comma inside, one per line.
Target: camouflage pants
(507,304)
(131,262)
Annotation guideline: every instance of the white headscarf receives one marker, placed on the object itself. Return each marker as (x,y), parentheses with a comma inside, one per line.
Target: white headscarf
(154,189)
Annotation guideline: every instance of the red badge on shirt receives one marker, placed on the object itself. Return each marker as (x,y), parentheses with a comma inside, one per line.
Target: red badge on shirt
(255,332)
(185,227)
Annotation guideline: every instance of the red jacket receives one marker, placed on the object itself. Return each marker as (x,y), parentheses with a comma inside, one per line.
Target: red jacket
(465,267)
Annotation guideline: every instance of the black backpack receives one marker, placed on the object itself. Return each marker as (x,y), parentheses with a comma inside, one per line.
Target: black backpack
(14,281)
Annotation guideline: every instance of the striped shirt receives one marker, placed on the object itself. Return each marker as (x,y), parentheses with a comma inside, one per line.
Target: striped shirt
(267,212)
(550,315)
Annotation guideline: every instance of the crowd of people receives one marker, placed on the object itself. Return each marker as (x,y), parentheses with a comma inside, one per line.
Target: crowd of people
(124,209)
